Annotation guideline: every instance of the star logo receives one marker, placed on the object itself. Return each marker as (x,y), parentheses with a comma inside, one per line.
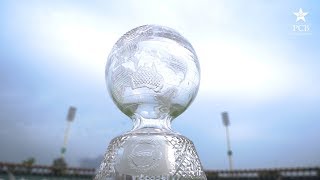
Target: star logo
(300,15)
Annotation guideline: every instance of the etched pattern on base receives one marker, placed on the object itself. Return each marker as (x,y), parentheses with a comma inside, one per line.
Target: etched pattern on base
(185,163)
(107,167)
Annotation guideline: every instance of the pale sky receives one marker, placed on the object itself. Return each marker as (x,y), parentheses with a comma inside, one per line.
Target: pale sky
(253,65)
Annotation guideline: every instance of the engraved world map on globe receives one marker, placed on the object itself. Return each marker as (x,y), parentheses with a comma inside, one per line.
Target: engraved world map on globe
(153,72)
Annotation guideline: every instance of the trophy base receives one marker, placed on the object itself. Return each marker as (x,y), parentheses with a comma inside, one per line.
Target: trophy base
(156,155)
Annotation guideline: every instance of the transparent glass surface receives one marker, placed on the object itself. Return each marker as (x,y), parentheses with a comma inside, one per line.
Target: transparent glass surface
(152,75)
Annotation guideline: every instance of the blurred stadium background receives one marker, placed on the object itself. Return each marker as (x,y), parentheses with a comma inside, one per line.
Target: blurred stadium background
(255,64)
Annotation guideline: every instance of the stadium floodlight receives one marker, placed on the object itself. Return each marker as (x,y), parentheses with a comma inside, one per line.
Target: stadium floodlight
(226,123)
(70,118)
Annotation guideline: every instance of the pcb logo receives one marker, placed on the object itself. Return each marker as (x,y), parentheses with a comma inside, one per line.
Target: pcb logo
(301,27)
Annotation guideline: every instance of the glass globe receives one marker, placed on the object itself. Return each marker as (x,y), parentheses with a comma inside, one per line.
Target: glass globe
(152,75)
(153,72)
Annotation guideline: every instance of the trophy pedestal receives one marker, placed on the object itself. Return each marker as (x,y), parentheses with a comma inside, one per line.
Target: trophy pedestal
(151,155)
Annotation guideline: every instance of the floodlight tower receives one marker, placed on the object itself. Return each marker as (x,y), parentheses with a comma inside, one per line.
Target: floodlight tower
(70,118)
(226,123)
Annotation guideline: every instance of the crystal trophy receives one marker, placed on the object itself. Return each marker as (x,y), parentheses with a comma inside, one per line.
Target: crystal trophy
(152,75)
